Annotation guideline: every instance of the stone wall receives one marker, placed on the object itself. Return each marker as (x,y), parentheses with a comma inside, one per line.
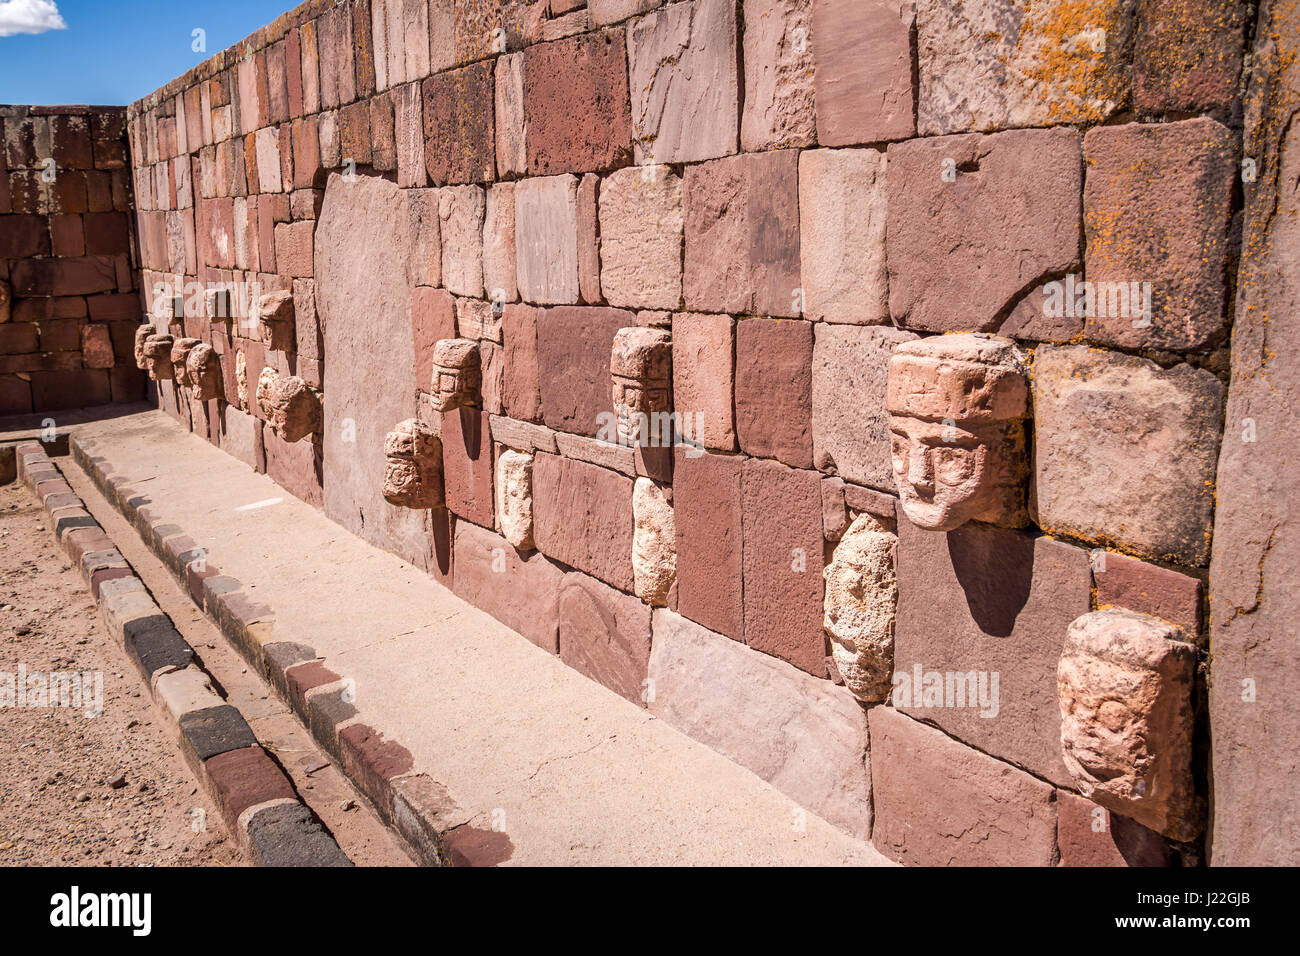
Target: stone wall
(939,294)
(68,299)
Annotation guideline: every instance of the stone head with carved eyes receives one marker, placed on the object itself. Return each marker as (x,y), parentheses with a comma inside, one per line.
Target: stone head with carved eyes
(957,406)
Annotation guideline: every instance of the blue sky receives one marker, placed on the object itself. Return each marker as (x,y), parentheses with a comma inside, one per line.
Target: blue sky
(115,51)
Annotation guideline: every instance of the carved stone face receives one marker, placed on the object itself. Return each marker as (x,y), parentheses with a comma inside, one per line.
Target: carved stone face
(456,374)
(158,357)
(641,381)
(181,349)
(203,369)
(291,408)
(413,466)
(957,405)
(141,334)
(6,298)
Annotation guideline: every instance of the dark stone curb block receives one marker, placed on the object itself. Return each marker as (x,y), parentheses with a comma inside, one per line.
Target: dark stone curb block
(371,762)
(216,730)
(153,643)
(288,835)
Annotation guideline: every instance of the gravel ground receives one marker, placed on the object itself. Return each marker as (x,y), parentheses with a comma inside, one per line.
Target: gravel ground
(105,791)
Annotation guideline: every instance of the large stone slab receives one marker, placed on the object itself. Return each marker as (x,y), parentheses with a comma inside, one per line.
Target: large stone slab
(804,736)
(779,109)
(774,390)
(1187,54)
(573,354)
(605,634)
(1006,210)
(850,426)
(863,54)
(940,803)
(997,603)
(706,508)
(362,254)
(1125,451)
(582,516)
(641,238)
(703,378)
(521,590)
(546,239)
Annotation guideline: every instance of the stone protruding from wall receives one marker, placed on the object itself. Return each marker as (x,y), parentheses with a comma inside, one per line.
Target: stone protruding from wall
(861,604)
(181,349)
(291,408)
(654,550)
(275,317)
(158,357)
(640,369)
(1125,682)
(413,466)
(957,405)
(457,375)
(142,334)
(203,368)
(514,498)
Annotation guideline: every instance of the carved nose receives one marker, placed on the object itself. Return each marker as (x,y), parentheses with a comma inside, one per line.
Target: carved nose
(920,472)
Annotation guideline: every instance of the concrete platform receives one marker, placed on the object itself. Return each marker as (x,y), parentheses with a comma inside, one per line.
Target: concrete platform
(572,773)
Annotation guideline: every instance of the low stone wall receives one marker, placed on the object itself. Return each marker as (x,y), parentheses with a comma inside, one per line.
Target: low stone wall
(68,299)
(939,300)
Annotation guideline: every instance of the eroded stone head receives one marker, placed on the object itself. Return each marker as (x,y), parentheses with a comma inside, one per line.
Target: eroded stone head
(203,369)
(413,466)
(456,374)
(860,605)
(181,349)
(142,332)
(1125,684)
(6,300)
(291,408)
(275,320)
(157,352)
(640,369)
(957,406)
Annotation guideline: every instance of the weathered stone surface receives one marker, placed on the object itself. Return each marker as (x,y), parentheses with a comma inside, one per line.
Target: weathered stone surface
(582,516)
(1157,205)
(842,236)
(467,465)
(1089,835)
(181,348)
(457,375)
(203,367)
(850,426)
(779,107)
(367,247)
(703,377)
(511,125)
(142,333)
(940,803)
(1187,54)
(605,12)
(519,589)
(995,604)
(290,407)
(801,734)
(685,95)
(499,245)
(1124,582)
(521,392)
(546,239)
(707,515)
(295,466)
(604,634)
(641,238)
(863,67)
(640,369)
(459,130)
(157,352)
(241,437)
(957,405)
(460,212)
(774,390)
(1007,206)
(860,604)
(408,133)
(275,318)
(654,544)
(742,234)
(781,520)
(514,493)
(574,345)
(1126,688)
(576,104)
(413,475)
(433,318)
(1004,63)
(1093,480)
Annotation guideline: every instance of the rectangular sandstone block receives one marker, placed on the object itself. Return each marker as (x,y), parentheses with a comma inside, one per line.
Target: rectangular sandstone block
(546,239)
(574,344)
(707,519)
(863,57)
(803,735)
(774,390)
(605,635)
(519,590)
(459,126)
(940,803)
(582,517)
(467,465)
(703,377)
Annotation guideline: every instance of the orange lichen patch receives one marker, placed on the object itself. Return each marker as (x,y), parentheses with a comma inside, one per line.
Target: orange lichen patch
(1069,52)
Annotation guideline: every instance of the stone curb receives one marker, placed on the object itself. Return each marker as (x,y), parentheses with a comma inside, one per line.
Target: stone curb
(219,746)
(417,807)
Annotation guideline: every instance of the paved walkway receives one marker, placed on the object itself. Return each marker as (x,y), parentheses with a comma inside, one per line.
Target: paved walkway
(574,773)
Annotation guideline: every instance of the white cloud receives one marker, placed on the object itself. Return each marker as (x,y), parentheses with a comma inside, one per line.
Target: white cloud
(29,16)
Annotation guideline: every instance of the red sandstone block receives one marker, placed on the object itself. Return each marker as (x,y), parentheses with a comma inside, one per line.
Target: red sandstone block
(305,138)
(520,590)
(363,46)
(277,82)
(107,233)
(1187,55)
(1089,835)
(293,72)
(68,236)
(97,346)
(1126,582)
(433,317)
(781,518)
(354,133)
(992,601)
(17,338)
(327,43)
(23,237)
(244,778)
(293,249)
(582,517)
(742,234)
(774,390)
(940,803)
(521,396)
(574,344)
(72,388)
(383,137)
(605,634)
(577,105)
(15,395)
(60,335)
(301,678)
(70,136)
(467,465)
(458,125)
(294,465)
(372,761)
(707,510)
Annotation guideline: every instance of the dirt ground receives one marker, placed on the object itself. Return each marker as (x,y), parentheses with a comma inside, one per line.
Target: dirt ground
(111,790)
